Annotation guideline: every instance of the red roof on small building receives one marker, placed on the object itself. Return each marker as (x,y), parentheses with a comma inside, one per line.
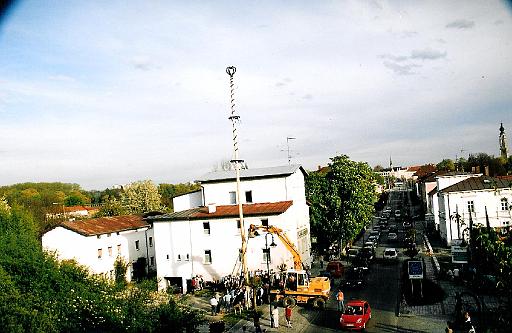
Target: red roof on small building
(105,225)
(226,211)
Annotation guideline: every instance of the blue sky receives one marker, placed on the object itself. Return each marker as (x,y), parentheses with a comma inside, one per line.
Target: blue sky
(110,92)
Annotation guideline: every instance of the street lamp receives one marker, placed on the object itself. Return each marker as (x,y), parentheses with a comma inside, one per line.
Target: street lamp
(272,244)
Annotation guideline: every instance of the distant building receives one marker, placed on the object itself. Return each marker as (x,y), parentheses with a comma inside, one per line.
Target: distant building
(72,212)
(202,237)
(96,243)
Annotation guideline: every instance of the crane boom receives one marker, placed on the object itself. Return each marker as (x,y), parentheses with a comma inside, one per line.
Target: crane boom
(297,260)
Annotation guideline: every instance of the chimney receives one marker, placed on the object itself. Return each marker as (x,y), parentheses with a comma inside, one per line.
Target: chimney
(212,208)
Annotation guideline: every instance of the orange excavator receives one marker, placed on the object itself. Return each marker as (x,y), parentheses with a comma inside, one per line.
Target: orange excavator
(295,284)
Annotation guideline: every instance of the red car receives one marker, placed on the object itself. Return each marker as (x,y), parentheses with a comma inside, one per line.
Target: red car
(356,315)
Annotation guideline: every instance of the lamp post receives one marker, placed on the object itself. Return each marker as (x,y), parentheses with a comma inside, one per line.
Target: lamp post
(272,244)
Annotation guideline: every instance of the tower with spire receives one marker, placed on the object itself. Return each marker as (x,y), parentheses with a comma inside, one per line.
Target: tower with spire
(503,143)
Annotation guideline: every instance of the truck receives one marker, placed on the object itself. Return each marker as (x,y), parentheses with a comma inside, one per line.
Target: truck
(295,285)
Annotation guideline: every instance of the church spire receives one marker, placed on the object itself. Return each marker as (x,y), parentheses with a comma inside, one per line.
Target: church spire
(503,143)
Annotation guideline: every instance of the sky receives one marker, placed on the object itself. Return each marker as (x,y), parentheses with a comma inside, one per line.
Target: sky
(102,93)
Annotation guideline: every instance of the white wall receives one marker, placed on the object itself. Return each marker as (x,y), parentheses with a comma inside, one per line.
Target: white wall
(84,249)
(188,201)
(491,199)
(188,238)
(263,190)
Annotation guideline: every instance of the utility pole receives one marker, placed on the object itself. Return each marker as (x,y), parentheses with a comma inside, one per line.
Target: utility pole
(237,162)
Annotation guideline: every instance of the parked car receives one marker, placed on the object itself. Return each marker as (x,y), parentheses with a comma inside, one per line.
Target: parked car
(360,263)
(392,236)
(374,239)
(356,315)
(367,253)
(397,213)
(354,278)
(352,253)
(335,268)
(390,253)
(369,244)
(375,233)
(407,224)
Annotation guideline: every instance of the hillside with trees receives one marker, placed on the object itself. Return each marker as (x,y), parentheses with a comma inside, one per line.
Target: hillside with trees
(41,294)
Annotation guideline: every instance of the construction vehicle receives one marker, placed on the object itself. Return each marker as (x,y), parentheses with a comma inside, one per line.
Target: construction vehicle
(294,285)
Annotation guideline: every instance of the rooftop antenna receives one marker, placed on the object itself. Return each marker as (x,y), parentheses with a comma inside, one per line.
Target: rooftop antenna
(237,162)
(288,138)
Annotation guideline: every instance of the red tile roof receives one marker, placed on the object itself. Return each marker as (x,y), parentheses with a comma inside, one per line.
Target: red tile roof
(105,225)
(225,211)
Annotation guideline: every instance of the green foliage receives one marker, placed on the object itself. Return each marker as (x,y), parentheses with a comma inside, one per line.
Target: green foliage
(111,207)
(446,165)
(120,268)
(169,191)
(342,200)
(141,197)
(41,294)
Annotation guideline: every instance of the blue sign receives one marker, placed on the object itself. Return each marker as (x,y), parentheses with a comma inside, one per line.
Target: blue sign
(415,269)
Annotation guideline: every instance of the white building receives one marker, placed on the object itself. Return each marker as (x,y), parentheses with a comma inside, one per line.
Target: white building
(96,243)
(205,239)
(472,197)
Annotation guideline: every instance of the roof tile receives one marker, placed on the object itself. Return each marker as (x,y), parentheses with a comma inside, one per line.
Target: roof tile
(105,225)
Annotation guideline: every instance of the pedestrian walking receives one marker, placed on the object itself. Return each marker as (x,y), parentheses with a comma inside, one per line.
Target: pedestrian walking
(288,315)
(341,298)
(468,325)
(275,317)
(213,304)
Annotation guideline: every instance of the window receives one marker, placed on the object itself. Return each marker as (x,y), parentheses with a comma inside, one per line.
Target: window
(266,255)
(248,196)
(178,258)
(152,261)
(238,226)
(504,204)
(239,255)
(137,245)
(151,241)
(206,228)
(100,253)
(167,257)
(188,257)
(232,198)
(471,206)
(207,256)
(108,235)
(117,233)
(118,249)
(110,251)
(98,236)
(264,222)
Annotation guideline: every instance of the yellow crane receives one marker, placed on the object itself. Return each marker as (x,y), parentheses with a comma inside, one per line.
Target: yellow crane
(295,285)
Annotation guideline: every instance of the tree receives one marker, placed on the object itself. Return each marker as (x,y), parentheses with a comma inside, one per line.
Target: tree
(378,168)
(141,197)
(342,198)
(446,165)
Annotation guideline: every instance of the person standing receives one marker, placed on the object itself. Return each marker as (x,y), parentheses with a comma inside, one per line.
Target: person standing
(213,304)
(288,315)
(341,299)
(468,325)
(275,317)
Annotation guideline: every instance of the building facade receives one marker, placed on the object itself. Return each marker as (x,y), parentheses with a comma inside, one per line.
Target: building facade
(97,243)
(481,199)
(206,241)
